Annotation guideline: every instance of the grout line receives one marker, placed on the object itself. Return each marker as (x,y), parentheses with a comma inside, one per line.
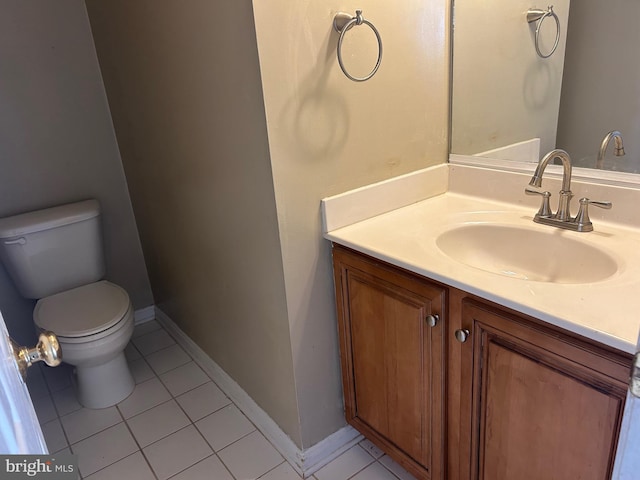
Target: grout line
(388,469)
(175,399)
(93,434)
(124,458)
(191,422)
(373,460)
(229,444)
(55,407)
(208,414)
(216,452)
(156,377)
(158,405)
(269,471)
(187,468)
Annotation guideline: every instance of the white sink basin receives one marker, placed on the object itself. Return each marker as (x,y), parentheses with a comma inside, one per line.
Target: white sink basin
(527,254)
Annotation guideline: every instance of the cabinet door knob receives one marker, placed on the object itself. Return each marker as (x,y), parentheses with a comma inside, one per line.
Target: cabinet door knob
(432,320)
(462,335)
(634,382)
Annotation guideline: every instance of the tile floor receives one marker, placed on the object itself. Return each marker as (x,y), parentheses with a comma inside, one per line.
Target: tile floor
(176,424)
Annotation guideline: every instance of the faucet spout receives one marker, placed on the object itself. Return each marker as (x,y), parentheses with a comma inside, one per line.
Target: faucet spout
(618,149)
(536,180)
(562,218)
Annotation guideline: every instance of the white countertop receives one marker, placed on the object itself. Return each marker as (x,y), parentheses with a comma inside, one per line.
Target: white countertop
(607,311)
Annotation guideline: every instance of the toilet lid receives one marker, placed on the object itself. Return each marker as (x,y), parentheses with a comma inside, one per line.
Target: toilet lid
(82,311)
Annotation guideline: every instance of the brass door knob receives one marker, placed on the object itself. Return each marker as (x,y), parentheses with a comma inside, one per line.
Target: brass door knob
(47,350)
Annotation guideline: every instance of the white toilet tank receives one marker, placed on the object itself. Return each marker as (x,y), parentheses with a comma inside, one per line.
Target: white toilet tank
(53,250)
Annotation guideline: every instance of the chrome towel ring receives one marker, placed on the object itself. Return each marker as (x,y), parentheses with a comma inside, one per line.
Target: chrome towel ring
(537,15)
(343,22)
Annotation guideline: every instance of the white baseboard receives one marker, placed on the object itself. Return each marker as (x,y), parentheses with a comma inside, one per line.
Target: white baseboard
(317,456)
(143,315)
(306,461)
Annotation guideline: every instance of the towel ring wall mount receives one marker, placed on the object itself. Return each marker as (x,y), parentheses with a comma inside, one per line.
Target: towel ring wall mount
(342,23)
(537,15)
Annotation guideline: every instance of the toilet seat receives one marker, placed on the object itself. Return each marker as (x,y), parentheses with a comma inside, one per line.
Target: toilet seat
(94,310)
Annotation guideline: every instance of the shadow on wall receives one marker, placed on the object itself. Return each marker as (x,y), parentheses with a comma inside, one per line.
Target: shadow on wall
(17,312)
(318,120)
(538,85)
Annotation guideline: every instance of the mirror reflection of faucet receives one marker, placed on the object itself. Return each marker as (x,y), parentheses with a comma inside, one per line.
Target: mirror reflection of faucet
(618,149)
(562,218)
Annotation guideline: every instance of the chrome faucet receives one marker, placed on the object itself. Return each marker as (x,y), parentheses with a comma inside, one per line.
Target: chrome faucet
(562,213)
(618,149)
(562,218)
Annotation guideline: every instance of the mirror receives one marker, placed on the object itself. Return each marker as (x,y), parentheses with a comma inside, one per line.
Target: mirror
(511,104)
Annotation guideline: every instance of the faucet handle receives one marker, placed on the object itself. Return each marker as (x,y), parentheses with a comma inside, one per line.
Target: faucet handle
(582,218)
(605,205)
(545,208)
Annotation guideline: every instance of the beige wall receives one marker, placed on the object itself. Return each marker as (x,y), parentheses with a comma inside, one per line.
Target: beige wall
(227,196)
(503,92)
(56,138)
(328,134)
(183,83)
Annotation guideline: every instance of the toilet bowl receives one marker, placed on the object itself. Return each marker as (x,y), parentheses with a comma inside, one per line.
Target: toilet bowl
(56,256)
(94,324)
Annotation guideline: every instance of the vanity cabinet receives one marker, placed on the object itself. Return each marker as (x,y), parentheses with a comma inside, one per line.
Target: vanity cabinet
(392,334)
(538,403)
(523,399)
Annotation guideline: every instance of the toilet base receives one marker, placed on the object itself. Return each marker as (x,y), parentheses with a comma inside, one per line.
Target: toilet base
(103,386)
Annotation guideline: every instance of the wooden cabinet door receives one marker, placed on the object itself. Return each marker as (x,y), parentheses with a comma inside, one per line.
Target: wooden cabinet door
(392,360)
(545,406)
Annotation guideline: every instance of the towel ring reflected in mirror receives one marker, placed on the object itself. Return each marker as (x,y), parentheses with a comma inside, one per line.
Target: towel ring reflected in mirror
(538,16)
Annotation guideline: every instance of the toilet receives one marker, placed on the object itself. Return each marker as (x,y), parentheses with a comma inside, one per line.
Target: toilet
(56,256)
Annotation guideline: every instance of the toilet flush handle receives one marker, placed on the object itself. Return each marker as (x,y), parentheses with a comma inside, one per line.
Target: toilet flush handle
(17,241)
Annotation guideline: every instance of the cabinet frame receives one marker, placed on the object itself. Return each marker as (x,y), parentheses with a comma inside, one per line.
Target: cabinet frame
(597,368)
(455,425)
(412,290)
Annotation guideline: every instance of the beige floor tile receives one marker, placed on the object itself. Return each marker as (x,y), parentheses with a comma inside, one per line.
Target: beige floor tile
(394,467)
(133,467)
(140,370)
(54,436)
(145,395)
(146,327)
(178,451)
(375,471)
(284,471)
(66,401)
(250,457)
(152,342)
(210,468)
(85,422)
(346,465)
(203,400)
(157,423)
(371,449)
(184,378)
(167,359)
(224,427)
(104,449)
